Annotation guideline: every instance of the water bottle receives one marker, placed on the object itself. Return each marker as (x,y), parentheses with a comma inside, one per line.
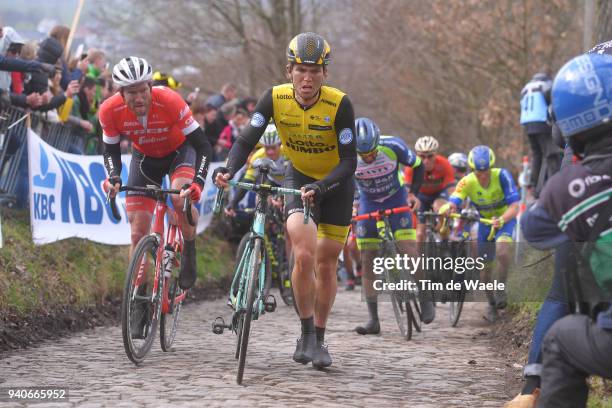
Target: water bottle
(168,260)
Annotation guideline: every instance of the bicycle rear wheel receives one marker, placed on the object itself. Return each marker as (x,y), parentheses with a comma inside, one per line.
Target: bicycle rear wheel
(140,307)
(252,285)
(283,273)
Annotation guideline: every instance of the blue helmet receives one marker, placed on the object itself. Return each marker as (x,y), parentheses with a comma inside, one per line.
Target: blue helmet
(368,135)
(582,96)
(481,158)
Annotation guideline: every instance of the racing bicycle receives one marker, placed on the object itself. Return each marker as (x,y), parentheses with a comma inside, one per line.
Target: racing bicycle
(249,295)
(405,303)
(151,291)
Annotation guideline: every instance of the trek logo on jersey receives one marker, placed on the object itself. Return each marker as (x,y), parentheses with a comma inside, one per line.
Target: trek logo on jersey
(136,132)
(184,112)
(128,123)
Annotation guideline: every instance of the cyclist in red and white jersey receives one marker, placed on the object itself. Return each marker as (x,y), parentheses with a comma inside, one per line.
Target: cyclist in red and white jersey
(165,139)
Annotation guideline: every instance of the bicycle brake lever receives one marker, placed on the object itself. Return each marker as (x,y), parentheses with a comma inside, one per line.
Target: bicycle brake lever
(113,205)
(187,211)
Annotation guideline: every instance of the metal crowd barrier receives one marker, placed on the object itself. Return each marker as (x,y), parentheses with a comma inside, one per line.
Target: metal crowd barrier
(13,149)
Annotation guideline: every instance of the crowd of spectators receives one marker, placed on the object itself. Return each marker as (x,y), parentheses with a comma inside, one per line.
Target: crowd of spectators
(38,76)
(65,89)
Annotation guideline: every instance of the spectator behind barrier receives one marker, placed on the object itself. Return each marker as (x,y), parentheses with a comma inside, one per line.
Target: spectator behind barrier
(206,115)
(227,94)
(248,104)
(545,156)
(10,46)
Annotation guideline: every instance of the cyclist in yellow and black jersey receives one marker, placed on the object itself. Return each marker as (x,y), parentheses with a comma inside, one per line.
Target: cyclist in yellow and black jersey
(316,127)
(271,149)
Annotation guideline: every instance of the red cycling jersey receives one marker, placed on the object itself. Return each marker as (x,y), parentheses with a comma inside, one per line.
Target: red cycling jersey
(162,132)
(442,176)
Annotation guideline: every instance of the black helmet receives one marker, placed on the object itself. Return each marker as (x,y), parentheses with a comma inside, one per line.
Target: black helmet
(308,48)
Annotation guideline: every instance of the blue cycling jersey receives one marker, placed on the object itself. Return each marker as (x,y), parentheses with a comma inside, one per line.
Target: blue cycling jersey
(381,179)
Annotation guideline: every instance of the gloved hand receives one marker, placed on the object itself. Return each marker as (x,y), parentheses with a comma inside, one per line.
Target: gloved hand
(445,209)
(218,176)
(195,192)
(112,184)
(498,222)
(312,192)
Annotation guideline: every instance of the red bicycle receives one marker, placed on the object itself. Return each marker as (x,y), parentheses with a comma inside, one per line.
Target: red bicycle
(149,297)
(404,300)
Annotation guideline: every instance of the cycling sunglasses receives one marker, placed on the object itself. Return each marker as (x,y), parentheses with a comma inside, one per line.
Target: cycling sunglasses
(368,155)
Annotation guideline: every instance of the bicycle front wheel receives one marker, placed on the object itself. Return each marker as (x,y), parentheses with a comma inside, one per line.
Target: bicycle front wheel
(457,297)
(140,307)
(403,323)
(252,286)
(168,323)
(400,310)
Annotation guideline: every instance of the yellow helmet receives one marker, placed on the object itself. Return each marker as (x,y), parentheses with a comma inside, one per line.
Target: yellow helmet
(160,78)
(308,48)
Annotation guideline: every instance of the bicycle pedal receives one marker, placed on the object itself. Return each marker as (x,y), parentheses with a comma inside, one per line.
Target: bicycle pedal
(270,304)
(219,325)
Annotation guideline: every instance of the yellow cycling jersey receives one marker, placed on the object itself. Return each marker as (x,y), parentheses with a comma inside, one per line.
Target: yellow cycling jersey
(309,136)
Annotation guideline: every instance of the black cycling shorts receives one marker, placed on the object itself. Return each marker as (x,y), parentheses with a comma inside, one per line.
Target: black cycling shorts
(332,214)
(147,170)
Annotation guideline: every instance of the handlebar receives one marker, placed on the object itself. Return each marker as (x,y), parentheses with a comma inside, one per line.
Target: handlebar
(382,213)
(159,193)
(260,189)
(466,217)
(470,218)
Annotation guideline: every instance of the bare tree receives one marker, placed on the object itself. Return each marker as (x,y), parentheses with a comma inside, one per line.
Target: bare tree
(603,28)
(239,40)
(454,69)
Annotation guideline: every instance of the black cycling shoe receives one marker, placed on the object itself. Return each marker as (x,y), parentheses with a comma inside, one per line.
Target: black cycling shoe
(428,311)
(305,347)
(321,357)
(501,300)
(349,284)
(371,327)
(187,276)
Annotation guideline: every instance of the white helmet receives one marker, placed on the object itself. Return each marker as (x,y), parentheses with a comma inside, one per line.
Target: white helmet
(426,144)
(459,161)
(270,136)
(132,70)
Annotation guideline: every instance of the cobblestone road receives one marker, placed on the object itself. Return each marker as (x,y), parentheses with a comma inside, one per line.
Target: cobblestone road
(441,367)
